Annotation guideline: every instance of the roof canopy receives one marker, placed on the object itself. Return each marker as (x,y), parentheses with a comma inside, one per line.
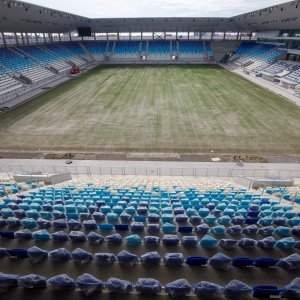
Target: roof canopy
(17,16)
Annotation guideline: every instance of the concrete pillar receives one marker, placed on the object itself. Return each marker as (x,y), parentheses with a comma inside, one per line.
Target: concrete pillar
(4,39)
(16,38)
(200,35)
(36,38)
(188,35)
(224,35)
(27,38)
(23,39)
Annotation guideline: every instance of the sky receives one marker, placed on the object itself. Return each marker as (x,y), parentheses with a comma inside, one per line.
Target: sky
(156,8)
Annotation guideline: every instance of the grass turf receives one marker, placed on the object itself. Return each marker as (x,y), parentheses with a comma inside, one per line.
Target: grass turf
(184,109)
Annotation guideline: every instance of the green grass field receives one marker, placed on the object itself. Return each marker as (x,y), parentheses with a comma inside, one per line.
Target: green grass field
(180,109)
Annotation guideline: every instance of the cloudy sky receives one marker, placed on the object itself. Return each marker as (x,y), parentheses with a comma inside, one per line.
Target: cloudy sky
(156,8)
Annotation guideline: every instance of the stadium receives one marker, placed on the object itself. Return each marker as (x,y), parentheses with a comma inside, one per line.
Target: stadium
(149,156)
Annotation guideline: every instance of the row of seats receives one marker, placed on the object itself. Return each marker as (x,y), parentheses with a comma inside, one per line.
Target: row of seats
(141,214)
(219,261)
(157,48)
(33,218)
(282,67)
(45,57)
(207,241)
(7,82)
(88,285)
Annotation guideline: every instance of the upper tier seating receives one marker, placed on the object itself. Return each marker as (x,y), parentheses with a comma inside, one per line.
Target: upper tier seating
(74,48)
(159,50)
(244,48)
(125,49)
(46,57)
(96,49)
(64,54)
(192,49)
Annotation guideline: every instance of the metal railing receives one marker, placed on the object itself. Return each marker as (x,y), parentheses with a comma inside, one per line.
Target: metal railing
(150,171)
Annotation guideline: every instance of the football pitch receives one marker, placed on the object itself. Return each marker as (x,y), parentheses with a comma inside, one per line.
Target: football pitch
(175,109)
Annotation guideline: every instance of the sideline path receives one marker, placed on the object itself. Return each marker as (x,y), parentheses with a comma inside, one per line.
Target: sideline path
(161,168)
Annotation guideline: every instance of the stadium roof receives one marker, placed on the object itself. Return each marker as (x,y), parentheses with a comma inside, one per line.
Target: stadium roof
(17,16)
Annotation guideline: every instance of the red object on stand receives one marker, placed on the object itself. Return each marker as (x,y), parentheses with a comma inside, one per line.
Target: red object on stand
(75,70)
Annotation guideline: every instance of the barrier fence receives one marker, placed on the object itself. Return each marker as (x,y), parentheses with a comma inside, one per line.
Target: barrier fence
(149,171)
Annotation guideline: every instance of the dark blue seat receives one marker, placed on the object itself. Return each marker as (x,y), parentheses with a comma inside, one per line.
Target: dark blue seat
(265,291)
(18,253)
(242,262)
(253,214)
(264,262)
(185,229)
(8,235)
(251,221)
(196,261)
(122,227)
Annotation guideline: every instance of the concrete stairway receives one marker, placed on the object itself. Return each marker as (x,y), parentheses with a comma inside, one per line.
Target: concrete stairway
(220,48)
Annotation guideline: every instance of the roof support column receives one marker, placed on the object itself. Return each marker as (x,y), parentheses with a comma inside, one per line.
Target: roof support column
(238,35)
(59,37)
(16,38)
(250,38)
(129,35)
(107,36)
(94,36)
(200,35)
(224,35)
(176,35)
(188,35)
(141,35)
(118,36)
(4,39)
(45,41)
(23,40)
(152,35)
(36,38)
(212,35)
(27,38)
(165,35)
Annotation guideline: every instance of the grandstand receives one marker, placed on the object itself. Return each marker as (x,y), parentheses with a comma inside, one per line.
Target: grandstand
(149,157)
(187,224)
